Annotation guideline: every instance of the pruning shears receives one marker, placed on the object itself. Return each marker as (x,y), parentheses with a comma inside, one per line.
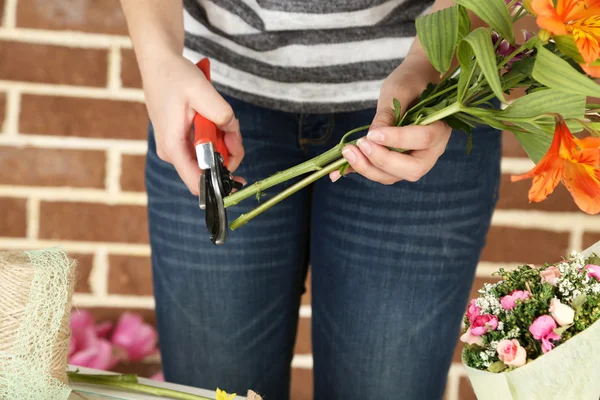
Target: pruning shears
(216,182)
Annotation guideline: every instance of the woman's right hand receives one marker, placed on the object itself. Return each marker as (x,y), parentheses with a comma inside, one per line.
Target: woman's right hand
(175,89)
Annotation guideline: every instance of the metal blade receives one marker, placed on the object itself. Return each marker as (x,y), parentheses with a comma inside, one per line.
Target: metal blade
(202,192)
(216,218)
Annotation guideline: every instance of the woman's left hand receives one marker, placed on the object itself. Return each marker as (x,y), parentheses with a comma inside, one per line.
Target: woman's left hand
(372,158)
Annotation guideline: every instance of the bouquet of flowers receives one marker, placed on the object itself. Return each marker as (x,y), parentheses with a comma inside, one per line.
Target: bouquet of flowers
(534,334)
(480,66)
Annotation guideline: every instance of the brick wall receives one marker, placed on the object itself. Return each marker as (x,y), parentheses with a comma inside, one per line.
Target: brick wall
(72,140)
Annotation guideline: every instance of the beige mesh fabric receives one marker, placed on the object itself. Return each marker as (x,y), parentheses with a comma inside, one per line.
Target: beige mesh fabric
(35,301)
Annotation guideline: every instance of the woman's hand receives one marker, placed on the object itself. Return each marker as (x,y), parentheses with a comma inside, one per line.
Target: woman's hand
(175,90)
(372,158)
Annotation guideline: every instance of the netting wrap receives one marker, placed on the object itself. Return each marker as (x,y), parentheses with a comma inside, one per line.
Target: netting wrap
(35,302)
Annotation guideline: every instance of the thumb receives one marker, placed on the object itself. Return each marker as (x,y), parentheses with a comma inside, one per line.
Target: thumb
(384,116)
(206,101)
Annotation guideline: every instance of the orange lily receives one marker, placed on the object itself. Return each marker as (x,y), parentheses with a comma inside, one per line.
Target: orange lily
(578,18)
(574,161)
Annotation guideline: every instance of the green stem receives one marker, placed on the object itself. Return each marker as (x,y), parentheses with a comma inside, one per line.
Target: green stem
(134,387)
(244,218)
(441,114)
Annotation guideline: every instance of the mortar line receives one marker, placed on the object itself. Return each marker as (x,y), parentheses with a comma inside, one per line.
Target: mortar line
(69,195)
(125,146)
(114,69)
(13,111)
(113,172)
(9,14)
(576,238)
(33,218)
(49,89)
(75,247)
(59,38)
(98,279)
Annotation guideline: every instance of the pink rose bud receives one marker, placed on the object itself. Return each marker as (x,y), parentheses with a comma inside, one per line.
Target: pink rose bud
(593,271)
(562,313)
(473,311)
(469,338)
(509,301)
(96,352)
(511,353)
(483,324)
(134,336)
(543,329)
(550,275)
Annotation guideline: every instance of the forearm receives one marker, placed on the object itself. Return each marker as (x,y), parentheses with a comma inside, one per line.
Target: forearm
(155,28)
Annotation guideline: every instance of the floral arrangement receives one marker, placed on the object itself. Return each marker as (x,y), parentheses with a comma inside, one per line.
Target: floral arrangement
(530,312)
(478,67)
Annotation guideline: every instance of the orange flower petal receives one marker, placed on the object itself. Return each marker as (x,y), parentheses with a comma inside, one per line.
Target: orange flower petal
(589,142)
(592,71)
(586,33)
(552,24)
(543,7)
(584,184)
(545,183)
(578,9)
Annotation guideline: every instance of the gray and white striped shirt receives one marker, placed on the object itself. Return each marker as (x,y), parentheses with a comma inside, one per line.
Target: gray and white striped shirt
(301,55)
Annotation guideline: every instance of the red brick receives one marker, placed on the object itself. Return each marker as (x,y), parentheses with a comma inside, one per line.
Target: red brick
(99,16)
(132,173)
(2,109)
(31,166)
(303,339)
(511,146)
(93,222)
(302,384)
(74,116)
(13,217)
(130,275)
(465,390)
(590,239)
(83,270)
(306,297)
(533,246)
(42,63)
(513,195)
(130,73)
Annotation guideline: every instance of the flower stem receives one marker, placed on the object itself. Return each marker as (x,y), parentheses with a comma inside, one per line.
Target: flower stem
(112,381)
(243,219)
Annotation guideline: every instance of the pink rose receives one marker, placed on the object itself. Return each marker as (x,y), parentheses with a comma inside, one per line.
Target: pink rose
(469,338)
(550,275)
(511,353)
(543,329)
(593,271)
(509,301)
(562,313)
(473,311)
(483,324)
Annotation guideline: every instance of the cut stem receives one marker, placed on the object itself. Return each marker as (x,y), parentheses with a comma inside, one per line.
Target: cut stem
(244,218)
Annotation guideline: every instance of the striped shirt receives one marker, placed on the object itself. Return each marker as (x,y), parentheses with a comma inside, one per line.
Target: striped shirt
(310,56)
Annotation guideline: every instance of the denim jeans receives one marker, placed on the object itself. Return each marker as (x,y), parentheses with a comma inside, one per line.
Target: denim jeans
(391,267)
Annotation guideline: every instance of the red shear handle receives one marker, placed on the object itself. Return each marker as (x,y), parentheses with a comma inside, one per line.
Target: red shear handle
(206,131)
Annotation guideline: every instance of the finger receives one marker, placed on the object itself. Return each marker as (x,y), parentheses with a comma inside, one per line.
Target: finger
(410,167)
(233,141)
(363,166)
(206,101)
(412,137)
(336,175)
(183,157)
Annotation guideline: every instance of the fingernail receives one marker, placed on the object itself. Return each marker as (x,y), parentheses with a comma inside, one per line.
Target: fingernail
(364,145)
(335,175)
(349,155)
(375,136)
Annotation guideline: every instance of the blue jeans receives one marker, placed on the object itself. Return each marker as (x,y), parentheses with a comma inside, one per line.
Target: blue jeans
(391,266)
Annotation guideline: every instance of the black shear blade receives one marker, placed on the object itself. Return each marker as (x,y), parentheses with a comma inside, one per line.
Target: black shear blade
(216,218)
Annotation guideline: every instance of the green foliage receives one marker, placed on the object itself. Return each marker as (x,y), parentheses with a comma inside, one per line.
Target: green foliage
(438,33)
(495,13)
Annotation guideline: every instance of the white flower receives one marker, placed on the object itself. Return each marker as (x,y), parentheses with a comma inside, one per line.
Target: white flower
(500,326)
(484,356)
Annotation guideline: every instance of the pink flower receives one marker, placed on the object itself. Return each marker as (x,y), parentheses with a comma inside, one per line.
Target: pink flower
(509,301)
(96,352)
(543,329)
(550,275)
(483,324)
(469,338)
(158,377)
(80,322)
(134,336)
(473,311)
(593,271)
(562,313)
(511,353)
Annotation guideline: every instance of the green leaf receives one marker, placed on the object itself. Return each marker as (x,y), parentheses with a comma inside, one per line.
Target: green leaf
(481,43)
(495,13)
(536,144)
(566,44)
(562,329)
(578,302)
(524,66)
(438,34)
(496,367)
(556,73)
(569,105)
(464,23)
(457,124)
(469,143)
(594,260)
(465,55)
(397,108)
